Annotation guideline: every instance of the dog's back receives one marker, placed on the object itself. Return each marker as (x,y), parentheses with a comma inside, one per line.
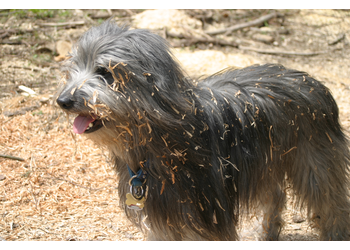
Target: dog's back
(281,123)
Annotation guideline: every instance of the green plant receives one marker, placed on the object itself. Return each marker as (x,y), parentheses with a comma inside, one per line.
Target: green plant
(39,13)
(26,174)
(40,112)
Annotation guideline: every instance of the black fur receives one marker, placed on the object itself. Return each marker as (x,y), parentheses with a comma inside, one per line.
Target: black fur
(225,145)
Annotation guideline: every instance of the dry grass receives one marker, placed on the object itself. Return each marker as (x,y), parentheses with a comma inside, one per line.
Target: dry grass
(62,190)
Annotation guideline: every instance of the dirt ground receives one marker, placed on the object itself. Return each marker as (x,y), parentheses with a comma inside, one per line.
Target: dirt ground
(62,187)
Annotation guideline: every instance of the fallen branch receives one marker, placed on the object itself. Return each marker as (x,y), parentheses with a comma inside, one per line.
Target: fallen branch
(65,24)
(192,40)
(21,111)
(24,67)
(255,22)
(8,32)
(11,157)
(276,52)
(5,33)
(11,42)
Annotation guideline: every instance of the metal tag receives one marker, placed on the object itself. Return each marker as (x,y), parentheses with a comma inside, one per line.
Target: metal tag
(134,203)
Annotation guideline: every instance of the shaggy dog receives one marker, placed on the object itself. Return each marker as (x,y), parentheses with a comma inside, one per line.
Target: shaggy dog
(192,157)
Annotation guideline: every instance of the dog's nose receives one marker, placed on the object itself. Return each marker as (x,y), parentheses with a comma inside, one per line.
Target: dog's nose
(65,102)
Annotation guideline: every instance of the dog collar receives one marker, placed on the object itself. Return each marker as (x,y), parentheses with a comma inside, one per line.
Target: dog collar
(136,197)
(139,178)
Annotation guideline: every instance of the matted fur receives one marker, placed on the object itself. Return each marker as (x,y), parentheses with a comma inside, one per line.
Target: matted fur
(216,148)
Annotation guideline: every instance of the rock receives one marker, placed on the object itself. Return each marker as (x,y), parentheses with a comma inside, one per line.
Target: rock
(62,49)
(263,38)
(175,21)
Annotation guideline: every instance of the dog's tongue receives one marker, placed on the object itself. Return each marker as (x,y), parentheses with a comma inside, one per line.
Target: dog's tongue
(81,123)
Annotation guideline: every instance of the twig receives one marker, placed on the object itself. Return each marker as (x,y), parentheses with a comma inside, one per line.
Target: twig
(24,67)
(22,111)
(276,52)
(288,151)
(233,165)
(78,185)
(255,22)
(8,32)
(8,120)
(36,202)
(339,38)
(11,157)
(68,24)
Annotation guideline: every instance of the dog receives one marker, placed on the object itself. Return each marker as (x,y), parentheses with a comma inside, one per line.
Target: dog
(192,157)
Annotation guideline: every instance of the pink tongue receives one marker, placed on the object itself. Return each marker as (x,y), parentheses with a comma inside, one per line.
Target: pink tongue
(81,123)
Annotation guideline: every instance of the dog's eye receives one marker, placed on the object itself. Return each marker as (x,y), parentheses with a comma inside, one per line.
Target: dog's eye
(104,75)
(102,71)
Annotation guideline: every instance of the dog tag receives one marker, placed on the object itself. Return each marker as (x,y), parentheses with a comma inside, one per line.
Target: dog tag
(133,203)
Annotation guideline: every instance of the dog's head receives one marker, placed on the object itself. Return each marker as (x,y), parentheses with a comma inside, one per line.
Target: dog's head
(122,81)
(116,73)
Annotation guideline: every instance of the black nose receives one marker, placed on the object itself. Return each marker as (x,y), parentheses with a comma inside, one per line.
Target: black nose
(65,102)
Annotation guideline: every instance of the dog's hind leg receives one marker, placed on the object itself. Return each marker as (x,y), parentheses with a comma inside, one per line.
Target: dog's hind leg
(322,185)
(272,202)
(333,220)
(330,205)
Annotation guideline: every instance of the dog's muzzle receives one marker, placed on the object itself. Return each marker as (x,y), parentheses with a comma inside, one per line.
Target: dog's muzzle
(82,123)
(65,102)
